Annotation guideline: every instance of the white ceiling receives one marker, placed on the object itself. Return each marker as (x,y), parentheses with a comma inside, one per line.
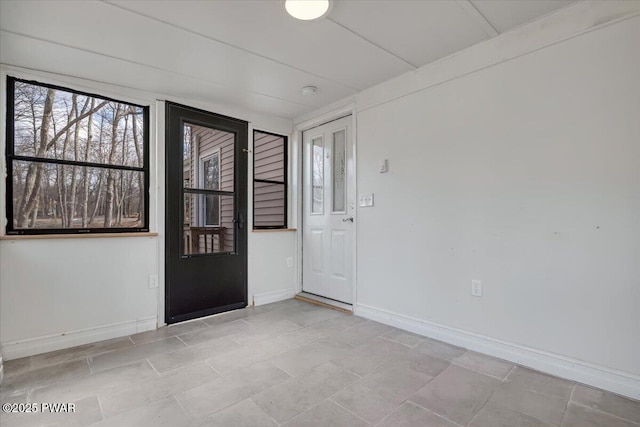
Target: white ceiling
(249,54)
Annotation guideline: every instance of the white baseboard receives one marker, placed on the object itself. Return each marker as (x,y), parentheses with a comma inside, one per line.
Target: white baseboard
(624,383)
(269,297)
(29,347)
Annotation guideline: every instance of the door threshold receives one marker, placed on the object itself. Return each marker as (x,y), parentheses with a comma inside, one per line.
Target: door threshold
(325,302)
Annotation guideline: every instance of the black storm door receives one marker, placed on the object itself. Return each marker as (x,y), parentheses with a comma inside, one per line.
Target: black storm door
(206,208)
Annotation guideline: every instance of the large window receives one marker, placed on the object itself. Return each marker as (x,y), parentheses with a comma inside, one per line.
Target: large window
(76,162)
(269,180)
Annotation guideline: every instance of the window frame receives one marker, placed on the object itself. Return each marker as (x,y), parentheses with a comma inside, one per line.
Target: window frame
(11,157)
(285,182)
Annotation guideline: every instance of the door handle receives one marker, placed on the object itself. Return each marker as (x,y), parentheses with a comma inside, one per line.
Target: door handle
(348,219)
(239,220)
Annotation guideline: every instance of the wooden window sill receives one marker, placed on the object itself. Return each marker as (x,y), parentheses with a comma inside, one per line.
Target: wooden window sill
(76,236)
(272,230)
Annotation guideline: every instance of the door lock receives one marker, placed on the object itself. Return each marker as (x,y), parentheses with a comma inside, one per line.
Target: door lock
(348,219)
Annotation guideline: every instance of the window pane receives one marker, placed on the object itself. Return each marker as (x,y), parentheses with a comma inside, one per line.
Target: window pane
(59,124)
(208,158)
(269,157)
(317,175)
(62,196)
(339,167)
(208,224)
(269,205)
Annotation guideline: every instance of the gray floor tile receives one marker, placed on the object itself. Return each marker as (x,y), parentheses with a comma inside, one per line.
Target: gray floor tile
(327,414)
(209,398)
(79,352)
(168,331)
(45,375)
(133,354)
(540,383)
(250,366)
(296,395)
(261,332)
(243,356)
(440,349)
(362,333)
(163,413)
(494,416)
(242,414)
(265,317)
(9,396)
(518,397)
(457,394)
(410,415)
(485,364)
(80,387)
(284,304)
(405,338)
(424,363)
(230,316)
(306,317)
(299,361)
(215,332)
(580,416)
(122,399)
(16,366)
(319,331)
(370,356)
(378,394)
(188,355)
(607,402)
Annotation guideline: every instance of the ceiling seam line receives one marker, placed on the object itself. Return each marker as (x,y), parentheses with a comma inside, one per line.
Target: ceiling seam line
(474,13)
(415,67)
(498,63)
(153,67)
(231,46)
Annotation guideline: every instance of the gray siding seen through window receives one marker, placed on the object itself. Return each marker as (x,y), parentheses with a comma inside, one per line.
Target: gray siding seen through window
(270,180)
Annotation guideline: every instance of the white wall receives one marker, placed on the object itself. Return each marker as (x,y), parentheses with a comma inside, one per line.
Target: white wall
(526,176)
(517,163)
(56,293)
(271,278)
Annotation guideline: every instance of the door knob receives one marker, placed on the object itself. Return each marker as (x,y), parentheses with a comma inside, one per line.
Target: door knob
(348,219)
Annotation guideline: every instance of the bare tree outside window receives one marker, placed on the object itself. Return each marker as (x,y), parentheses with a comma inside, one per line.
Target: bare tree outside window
(77,162)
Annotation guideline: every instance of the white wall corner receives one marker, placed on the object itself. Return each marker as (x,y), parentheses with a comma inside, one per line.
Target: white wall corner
(29,347)
(619,382)
(269,297)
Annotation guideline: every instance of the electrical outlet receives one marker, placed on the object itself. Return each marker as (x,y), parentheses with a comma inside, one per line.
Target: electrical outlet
(476,288)
(153,281)
(290,262)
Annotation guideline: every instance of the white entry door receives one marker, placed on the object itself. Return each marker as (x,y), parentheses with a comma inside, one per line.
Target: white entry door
(328,211)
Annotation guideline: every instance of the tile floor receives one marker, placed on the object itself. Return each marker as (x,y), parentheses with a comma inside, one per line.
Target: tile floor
(295,364)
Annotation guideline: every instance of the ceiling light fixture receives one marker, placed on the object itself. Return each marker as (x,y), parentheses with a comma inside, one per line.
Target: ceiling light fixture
(308,10)
(309,90)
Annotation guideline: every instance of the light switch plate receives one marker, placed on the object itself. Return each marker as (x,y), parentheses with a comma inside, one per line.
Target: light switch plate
(476,288)
(366,200)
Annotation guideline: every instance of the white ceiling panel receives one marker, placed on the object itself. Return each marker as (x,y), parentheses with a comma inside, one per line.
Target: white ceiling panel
(18,50)
(263,27)
(103,29)
(248,54)
(508,14)
(418,31)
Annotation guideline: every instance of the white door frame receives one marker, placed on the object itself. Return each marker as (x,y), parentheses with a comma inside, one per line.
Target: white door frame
(299,128)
